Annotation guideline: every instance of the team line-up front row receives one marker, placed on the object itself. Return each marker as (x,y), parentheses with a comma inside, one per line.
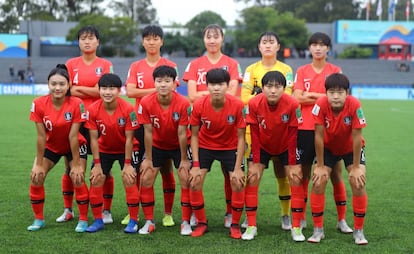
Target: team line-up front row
(216,126)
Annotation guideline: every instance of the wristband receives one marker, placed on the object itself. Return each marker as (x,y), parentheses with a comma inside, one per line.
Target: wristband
(96,161)
(196,164)
(127,161)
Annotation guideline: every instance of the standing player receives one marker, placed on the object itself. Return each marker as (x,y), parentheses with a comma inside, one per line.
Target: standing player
(308,87)
(195,76)
(84,72)
(111,124)
(339,120)
(269,45)
(140,83)
(164,115)
(58,117)
(217,133)
(273,119)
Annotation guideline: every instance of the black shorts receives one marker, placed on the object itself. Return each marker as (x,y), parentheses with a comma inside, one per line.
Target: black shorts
(265,157)
(330,160)
(306,146)
(54,157)
(159,156)
(227,158)
(107,161)
(85,133)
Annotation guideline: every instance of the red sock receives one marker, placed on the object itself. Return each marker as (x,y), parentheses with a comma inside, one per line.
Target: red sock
(227,193)
(67,191)
(296,204)
(339,192)
(197,205)
(148,202)
(96,200)
(132,199)
(185,204)
(37,198)
(305,185)
(82,199)
(317,207)
(252,201)
(168,186)
(108,193)
(237,204)
(359,205)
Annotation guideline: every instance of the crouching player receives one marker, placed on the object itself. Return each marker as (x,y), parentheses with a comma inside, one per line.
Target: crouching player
(338,136)
(111,125)
(164,115)
(217,133)
(273,119)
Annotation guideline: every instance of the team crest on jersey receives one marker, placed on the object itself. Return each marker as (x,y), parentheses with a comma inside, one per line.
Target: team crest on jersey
(347,120)
(68,116)
(98,71)
(176,116)
(231,119)
(285,118)
(121,122)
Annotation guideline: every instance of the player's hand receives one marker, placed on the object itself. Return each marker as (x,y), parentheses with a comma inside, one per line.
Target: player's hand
(320,175)
(256,90)
(295,173)
(184,169)
(77,174)
(96,174)
(145,165)
(129,174)
(357,176)
(37,175)
(195,177)
(238,179)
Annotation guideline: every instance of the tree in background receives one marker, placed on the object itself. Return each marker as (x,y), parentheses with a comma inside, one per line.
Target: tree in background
(256,20)
(140,11)
(115,34)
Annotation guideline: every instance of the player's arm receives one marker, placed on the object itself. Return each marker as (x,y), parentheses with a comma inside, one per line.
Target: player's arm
(195,172)
(132,91)
(77,172)
(37,174)
(182,139)
(304,97)
(357,171)
(193,94)
(84,91)
(96,175)
(319,171)
(247,92)
(233,85)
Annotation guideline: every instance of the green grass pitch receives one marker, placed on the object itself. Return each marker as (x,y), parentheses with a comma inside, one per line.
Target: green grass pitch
(389,221)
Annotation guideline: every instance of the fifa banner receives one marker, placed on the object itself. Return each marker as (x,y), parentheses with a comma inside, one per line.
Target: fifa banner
(383,92)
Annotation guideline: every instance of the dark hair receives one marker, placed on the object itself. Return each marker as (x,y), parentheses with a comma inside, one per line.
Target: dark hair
(319,37)
(88,30)
(164,71)
(110,80)
(153,30)
(269,34)
(217,75)
(60,70)
(214,27)
(337,80)
(274,76)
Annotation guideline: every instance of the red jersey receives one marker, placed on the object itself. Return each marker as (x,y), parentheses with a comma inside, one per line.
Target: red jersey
(308,80)
(197,69)
(112,127)
(273,121)
(58,123)
(164,122)
(140,73)
(218,129)
(82,74)
(338,128)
